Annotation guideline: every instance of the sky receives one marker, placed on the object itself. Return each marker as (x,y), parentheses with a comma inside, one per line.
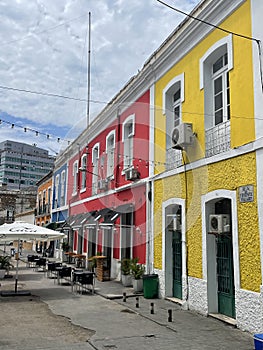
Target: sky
(44,45)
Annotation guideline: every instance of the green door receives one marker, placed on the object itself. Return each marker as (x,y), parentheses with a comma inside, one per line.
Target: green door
(225,276)
(177,264)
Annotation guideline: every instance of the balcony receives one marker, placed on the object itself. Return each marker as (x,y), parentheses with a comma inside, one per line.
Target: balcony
(173,158)
(217,139)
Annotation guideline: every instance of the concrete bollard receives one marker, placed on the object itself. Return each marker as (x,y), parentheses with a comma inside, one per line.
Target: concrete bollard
(137,302)
(152,308)
(170,318)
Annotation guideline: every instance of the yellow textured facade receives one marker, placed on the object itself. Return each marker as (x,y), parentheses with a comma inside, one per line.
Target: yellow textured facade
(241,84)
(240,171)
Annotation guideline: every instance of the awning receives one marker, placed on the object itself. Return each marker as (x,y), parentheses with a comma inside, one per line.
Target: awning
(56,226)
(125,208)
(78,220)
(108,215)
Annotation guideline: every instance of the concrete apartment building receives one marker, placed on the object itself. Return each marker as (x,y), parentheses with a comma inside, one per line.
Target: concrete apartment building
(22,165)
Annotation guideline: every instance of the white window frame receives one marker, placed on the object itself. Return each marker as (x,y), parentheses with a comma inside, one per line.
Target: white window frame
(173,157)
(222,74)
(62,188)
(217,136)
(110,153)
(95,167)
(75,172)
(83,172)
(56,188)
(128,141)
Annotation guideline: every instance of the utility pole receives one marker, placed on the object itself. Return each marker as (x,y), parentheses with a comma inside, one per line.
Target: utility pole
(88,74)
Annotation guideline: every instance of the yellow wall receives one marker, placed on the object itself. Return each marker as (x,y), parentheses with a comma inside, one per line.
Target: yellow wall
(241,89)
(240,171)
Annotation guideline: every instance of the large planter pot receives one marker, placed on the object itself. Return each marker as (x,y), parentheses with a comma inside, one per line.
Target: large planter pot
(126,280)
(137,285)
(2,274)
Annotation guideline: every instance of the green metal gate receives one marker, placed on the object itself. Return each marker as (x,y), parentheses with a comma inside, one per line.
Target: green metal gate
(225,276)
(177,264)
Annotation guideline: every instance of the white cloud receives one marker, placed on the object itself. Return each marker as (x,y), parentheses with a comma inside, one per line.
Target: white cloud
(44,48)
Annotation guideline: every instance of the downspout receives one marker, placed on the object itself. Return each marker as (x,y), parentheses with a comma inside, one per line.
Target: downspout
(185,304)
(117,171)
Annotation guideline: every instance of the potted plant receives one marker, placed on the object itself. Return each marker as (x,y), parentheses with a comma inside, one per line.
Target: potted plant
(126,277)
(5,265)
(137,271)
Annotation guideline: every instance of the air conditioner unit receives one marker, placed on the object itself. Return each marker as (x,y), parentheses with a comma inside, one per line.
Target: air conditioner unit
(174,222)
(219,223)
(132,174)
(182,135)
(103,184)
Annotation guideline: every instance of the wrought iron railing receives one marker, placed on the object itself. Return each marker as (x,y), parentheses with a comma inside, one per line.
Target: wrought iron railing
(217,139)
(173,158)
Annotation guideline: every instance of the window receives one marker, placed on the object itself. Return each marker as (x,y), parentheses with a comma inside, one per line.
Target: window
(62,188)
(56,190)
(95,168)
(83,171)
(110,145)
(49,198)
(173,97)
(214,79)
(75,177)
(127,138)
(221,101)
(44,201)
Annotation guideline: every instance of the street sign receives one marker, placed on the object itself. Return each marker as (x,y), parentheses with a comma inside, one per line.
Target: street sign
(246,193)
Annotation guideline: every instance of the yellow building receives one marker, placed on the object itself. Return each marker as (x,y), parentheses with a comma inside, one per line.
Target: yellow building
(207,200)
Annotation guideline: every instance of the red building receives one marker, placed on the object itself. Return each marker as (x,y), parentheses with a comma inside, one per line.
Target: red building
(107,185)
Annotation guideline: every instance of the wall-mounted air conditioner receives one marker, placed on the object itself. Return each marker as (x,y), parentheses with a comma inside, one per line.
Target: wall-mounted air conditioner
(174,222)
(132,174)
(103,184)
(182,135)
(219,223)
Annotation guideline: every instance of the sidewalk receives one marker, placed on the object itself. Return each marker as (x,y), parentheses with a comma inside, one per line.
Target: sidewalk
(112,323)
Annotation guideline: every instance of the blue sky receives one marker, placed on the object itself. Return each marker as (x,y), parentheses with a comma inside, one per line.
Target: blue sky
(44,48)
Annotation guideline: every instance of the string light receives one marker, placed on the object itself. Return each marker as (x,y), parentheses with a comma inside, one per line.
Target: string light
(37,133)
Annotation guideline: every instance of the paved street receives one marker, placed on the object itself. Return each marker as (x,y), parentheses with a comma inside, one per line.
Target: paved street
(55,318)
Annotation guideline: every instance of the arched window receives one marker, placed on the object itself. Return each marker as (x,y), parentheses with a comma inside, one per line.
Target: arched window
(75,177)
(214,79)
(83,171)
(128,131)
(95,168)
(110,146)
(173,97)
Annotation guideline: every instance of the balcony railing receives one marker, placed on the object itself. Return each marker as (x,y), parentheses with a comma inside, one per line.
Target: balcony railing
(173,158)
(217,139)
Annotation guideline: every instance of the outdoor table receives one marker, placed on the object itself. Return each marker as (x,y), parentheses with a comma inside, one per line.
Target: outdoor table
(51,267)
(62,272)
(83,278)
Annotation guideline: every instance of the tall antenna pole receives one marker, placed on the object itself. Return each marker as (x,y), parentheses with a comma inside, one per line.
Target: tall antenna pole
(88,78)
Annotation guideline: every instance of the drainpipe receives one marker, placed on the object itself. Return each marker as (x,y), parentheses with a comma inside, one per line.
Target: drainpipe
(185,304)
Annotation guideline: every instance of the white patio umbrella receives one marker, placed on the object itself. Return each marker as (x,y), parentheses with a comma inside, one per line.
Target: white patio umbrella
(20,230)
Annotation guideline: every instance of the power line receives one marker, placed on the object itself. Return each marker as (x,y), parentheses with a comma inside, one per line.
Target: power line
(207,23)
(37,133)
(225,31)
(49,94)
